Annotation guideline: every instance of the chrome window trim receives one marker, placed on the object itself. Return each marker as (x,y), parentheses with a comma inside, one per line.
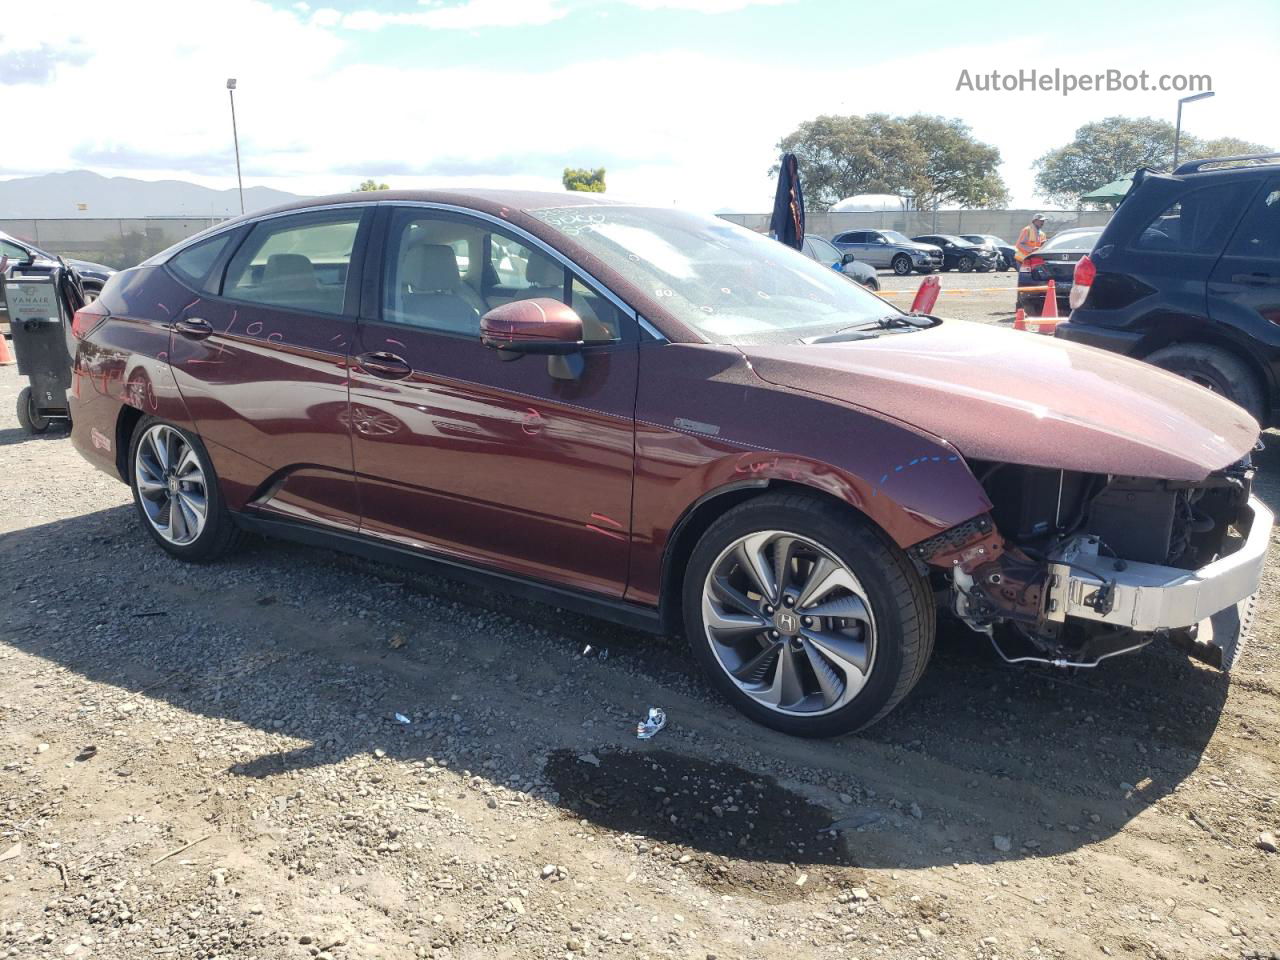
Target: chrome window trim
(526,236)
(164,256)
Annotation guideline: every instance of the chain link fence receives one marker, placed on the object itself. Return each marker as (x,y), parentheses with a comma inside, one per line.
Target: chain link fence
(1005,224)
(115,242)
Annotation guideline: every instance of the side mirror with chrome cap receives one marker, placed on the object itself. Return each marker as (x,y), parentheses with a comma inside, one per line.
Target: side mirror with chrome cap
(540,326)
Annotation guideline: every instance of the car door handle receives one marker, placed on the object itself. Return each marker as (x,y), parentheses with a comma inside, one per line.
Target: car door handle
(384,365)
(193,328)
(1256,279)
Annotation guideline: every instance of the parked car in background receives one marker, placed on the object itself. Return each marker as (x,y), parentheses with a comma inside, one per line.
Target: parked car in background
(890,250)
(673,422)
(842,261)
(1055,260)
(1187,276)
(1008,258)
(27,258)
(959,254)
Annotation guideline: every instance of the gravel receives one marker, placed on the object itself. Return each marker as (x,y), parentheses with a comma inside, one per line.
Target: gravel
(225,776)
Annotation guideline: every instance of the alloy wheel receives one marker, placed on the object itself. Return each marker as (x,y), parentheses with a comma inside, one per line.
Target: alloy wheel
(171,485)
(789,623)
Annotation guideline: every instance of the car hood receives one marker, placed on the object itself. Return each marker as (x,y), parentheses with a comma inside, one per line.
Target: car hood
(916,245)
(1015,397)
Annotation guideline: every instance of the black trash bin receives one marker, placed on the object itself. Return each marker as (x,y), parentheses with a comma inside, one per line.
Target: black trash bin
(40,307)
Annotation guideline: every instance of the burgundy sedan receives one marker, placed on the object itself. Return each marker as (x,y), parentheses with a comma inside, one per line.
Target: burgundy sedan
(667,420)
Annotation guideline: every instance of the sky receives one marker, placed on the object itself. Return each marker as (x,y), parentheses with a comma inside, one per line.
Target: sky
(682,101)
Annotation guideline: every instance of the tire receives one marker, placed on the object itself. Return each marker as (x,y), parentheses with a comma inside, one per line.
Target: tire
(91,291)
(170,459)
(873,283)
(1217,369)
(965,265)
(901,265)
(31,421)
(884,620)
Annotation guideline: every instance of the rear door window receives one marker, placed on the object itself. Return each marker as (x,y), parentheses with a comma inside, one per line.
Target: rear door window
(1259,234)
(1199,222)
(299,261)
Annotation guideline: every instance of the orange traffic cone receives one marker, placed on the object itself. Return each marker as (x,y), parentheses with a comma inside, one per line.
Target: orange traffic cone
(1050,301)
(6,356)
(1020,319)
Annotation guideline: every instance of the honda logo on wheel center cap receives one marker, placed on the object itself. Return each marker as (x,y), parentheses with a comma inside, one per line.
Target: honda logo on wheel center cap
(787,622)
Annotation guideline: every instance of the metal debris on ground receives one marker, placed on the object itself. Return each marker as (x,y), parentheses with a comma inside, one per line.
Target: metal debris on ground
(650,725)
(88,753)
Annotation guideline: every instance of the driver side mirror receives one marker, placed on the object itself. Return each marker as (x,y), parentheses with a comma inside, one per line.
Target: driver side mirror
(539,326)
(849,257)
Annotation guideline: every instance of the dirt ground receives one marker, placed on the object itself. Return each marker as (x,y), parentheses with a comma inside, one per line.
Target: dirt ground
(982,297)
(203,762)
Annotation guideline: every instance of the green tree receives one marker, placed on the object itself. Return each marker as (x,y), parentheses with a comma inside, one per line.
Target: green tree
(934,158)
(958,170)
(1101,152)
(587,181)
(372,185)
(1117,146)
(1221,147)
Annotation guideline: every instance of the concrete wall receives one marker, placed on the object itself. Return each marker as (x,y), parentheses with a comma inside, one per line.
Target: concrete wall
(1003,223)
(117,243)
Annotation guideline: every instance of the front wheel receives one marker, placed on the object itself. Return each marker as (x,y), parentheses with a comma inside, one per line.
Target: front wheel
(804,617)
(902,265)
(965,265)
(176,492)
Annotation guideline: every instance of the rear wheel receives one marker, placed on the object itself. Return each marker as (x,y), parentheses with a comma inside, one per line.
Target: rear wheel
(902,265)
(804,617)
(176,492)
(1216,369)
(30,420)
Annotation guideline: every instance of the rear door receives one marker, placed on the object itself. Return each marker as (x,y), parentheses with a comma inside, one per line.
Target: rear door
(260,357)
(1176,249)
(1244,288)
(464,454)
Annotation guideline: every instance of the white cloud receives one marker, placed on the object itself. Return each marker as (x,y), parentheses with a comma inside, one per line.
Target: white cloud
(687,127)
(469,15)
(704,6)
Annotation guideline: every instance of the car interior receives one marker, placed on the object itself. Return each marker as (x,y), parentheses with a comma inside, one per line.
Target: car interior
(444,275)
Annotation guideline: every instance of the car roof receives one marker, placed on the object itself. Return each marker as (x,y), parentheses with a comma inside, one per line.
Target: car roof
(487,201)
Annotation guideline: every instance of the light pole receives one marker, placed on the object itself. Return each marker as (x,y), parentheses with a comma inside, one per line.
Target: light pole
(907,196)
(1177,133)
(235,137)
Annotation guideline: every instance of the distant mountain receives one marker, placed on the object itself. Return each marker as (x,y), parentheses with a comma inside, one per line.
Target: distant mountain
(59,195)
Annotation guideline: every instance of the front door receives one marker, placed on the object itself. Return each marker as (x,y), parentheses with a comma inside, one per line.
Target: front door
(260,358)
(487,461)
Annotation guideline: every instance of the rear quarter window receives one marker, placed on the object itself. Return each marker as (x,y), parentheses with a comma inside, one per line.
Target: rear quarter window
(1198,222)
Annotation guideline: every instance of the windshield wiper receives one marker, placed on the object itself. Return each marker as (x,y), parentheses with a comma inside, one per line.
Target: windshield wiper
(864,330)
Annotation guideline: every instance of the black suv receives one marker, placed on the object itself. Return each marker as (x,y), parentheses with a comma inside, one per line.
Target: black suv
(1187,276)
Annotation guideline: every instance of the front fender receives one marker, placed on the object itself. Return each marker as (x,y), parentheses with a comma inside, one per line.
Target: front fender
(698,404)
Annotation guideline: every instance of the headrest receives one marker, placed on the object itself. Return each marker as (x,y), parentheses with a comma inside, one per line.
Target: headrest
(430,268)
(281,265)
(542,271)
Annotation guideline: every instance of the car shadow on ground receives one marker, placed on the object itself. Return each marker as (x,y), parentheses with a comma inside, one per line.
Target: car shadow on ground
(18,435)
(1052,760)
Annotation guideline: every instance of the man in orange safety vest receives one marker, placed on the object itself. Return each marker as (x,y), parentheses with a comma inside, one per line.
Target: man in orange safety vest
(1030,239)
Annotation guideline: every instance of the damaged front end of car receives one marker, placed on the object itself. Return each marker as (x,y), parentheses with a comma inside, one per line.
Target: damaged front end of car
(1070,568)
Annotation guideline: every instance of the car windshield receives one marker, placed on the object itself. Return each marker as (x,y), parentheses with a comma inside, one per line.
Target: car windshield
(974,238)
(724,281)
(893,236)
(1072,241)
